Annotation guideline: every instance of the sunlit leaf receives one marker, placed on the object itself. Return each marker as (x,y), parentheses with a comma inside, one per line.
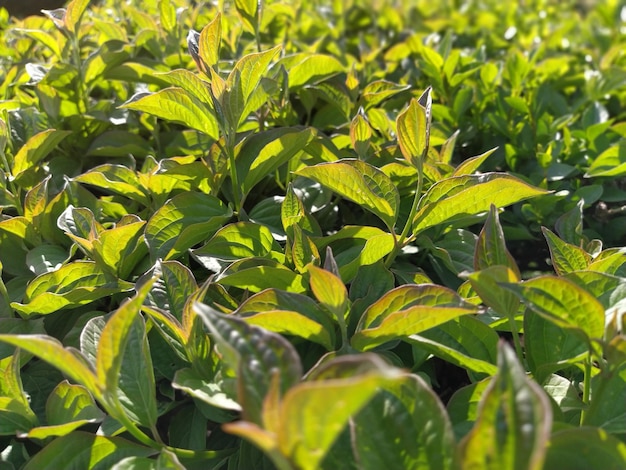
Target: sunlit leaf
(184,221)
(361,183)
(177,105)
(513,423)
(563,303)
(408,310)
(447,201)
(254,353)
(565,256)
(85,450)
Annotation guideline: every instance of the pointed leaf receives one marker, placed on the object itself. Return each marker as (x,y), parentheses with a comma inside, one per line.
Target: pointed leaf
(237,241)
(404,426)
(469,166)
(262,153)
(584,449)
(73,14)
(486,283)
(514,421)
(131,383)
(563,303)
(184,221)
(310,422)
(565,257)
(413,129)
(85,450)
(254,353)
(256,274)
(177,105)
(408,310)
(491,246)
(309,68)
(118,179)
(329,290)
(173,286)
(209,43)
(289,313)
(465,342)
(73,285)
(476,193)
(52,351)
(35,150)
(361,183)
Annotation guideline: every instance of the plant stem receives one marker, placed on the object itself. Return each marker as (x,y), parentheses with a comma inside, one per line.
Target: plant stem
(516,341)
(230,152)
(586,388)
(399,242)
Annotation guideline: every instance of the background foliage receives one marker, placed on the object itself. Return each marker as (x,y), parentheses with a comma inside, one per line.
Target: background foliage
(305,235)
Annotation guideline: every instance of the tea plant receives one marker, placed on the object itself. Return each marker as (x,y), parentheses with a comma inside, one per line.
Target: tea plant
(301,236)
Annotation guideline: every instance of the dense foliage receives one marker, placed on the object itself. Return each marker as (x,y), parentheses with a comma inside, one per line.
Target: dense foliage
(304,235)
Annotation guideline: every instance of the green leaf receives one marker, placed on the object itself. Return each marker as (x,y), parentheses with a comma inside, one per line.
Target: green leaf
(167,15)
(73,285)
(32,152)
(486,283)
(124,364)
(563,303)
(413,129)
(360,135)
(118,179)
(461,196)
(543,356)
(236,98)
(569,226)
(361,183)
(329,290)
(308,69)
(237,241)
(491,246)
(190,382)
(73,14)
(85,450)
(607,409)
(67,360)
(177,105)
(565,257)
(289,313)
(310,422)
(464,341)
(174,284)
(256,274)
(185,220)
(15,411)
(121,247)
(464,404)
(262,153)
(585,448)
(611,162)
(471,165)
(404,426)
(514,421)
(293,212)
(191,83)
(256,355)
(250,12)
(68,407)
(209,43)
(165,460)
(69,402)
(408,310)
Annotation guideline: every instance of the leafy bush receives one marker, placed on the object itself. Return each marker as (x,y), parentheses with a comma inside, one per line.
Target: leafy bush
(309,236)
